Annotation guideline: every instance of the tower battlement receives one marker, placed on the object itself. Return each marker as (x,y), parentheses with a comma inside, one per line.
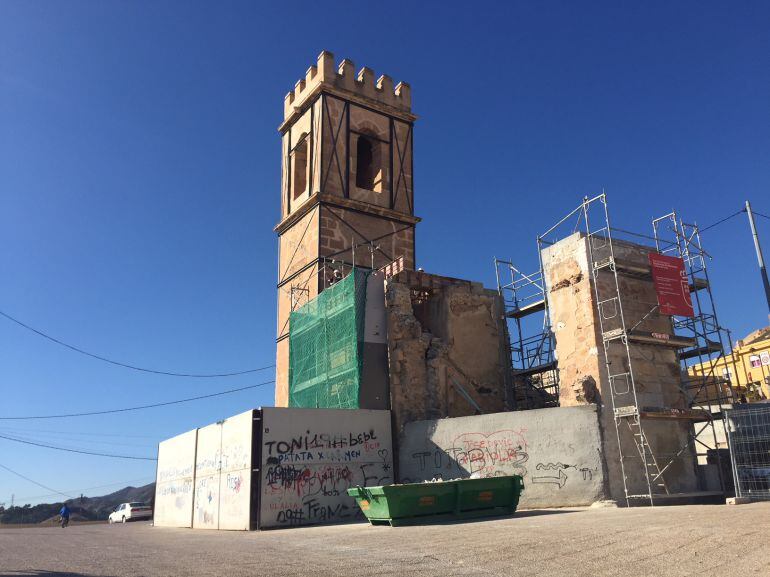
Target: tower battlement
(345,80)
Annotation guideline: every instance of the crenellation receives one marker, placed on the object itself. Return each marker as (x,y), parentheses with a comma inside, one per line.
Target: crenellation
(326,66)
(404,94)
(343,78)
(385,84)
(310,74)
(346,67)
(346,75)
(365,81)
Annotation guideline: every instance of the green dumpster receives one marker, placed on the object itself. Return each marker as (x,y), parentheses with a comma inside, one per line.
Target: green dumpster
(423,502)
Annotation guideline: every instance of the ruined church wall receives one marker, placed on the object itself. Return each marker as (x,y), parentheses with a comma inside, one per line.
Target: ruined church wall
(445,348)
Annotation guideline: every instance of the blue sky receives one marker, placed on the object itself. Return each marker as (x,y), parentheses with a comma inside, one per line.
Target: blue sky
(139,177)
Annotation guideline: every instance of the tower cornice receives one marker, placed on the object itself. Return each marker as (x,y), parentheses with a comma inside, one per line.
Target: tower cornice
(346,203)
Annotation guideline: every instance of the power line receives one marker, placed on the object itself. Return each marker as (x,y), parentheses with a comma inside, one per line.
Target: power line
(741,211)
(77,451)
(126,365)
(55,492)
(35,431)
(125,483)
(44,437)
(139,408)
(760,214)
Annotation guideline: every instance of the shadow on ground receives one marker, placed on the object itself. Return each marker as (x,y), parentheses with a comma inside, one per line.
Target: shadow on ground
(417,521)
(43,573)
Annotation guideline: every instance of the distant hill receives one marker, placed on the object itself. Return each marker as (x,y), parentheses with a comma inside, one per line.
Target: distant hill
(85,509)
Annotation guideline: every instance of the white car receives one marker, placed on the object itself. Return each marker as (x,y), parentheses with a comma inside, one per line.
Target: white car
(130,512)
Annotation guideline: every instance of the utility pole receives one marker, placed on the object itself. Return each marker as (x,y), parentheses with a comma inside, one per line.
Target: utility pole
(760,259)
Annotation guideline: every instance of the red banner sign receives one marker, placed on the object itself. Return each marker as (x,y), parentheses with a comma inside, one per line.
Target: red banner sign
(671,285)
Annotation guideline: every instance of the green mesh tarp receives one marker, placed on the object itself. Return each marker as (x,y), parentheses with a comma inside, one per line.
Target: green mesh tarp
(326,346)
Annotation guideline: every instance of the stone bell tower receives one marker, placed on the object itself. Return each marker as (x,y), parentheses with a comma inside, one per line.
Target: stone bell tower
(347,189)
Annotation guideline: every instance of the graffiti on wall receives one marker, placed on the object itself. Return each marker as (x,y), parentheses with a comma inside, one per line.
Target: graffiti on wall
(559,473)
(306,475)
(222,474)
(491,454)
(477,454)
(174,487)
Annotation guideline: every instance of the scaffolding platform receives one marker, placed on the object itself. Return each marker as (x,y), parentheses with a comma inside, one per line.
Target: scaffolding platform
(526,310)
(709,348)
(637,270)
(535,370)
(650,338)
(694,415)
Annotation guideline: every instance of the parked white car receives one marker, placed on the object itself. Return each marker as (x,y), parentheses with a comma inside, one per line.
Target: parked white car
(130,512)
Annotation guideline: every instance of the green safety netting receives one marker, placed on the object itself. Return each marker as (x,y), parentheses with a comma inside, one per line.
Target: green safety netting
(326,346)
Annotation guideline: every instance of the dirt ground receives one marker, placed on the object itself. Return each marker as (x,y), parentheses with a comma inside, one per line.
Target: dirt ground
(700,540)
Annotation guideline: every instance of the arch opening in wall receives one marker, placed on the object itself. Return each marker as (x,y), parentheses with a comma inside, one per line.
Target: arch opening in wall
(299,161)
(369,165)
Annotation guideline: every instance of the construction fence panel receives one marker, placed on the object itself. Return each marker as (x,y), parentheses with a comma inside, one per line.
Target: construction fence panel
(174,482)
(748,432)
(310,458)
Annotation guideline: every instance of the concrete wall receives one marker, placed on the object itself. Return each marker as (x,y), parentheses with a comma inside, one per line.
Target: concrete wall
(235,481)
(310,457)
(223,474)
(174,482)
(207,478)
(557,451)
(207,463)
(446,345)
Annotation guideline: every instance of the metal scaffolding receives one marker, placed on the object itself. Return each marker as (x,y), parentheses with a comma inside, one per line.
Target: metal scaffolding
(711,348)
(534,376)
(623,342)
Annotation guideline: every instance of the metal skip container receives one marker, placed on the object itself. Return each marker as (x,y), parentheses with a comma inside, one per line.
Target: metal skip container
(415,503)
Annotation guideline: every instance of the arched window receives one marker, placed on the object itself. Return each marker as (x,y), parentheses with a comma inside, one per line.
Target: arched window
(299,167)
(365,169)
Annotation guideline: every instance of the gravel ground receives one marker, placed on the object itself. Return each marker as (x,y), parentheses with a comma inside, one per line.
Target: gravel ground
(693,540)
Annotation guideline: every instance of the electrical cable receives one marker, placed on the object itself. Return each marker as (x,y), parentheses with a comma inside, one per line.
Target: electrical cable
(127,365)
(37,431)
(55,492)
(64,438)
(77,451)
(760,214)
(723,220)
(81,491)
(141,407)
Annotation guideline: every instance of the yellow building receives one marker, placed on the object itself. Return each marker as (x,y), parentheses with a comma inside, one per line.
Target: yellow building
(747,367)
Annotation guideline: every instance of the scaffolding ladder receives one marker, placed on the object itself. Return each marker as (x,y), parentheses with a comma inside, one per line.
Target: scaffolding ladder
(616,341)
